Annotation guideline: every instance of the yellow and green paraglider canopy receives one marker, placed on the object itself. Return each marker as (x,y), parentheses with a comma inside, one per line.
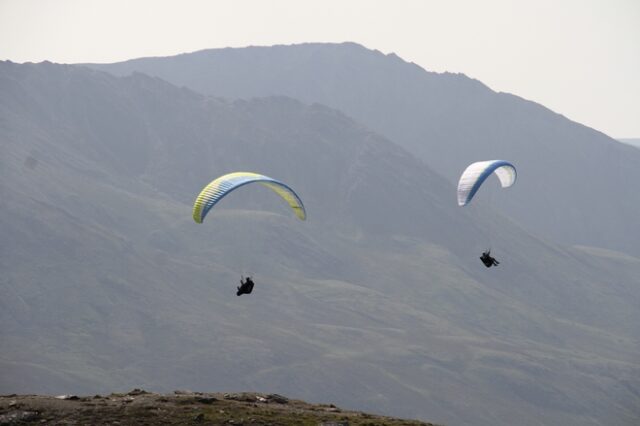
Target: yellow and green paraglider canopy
(220,187)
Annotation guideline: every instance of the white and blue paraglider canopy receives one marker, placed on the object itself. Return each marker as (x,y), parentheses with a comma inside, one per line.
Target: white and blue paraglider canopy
(474,176)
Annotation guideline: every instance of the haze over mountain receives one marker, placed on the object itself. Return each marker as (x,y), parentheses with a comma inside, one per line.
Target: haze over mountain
(377,302)
(576,185)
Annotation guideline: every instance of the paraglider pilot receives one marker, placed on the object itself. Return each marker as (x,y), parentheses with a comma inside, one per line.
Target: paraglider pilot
(488,260)
(246,286)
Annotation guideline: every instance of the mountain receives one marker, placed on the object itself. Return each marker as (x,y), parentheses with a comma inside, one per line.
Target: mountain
(377,302)
(576,185)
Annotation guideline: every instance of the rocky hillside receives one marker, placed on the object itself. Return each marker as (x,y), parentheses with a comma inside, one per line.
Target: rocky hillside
(140,408)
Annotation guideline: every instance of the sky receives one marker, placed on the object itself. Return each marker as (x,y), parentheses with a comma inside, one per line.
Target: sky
(580,58)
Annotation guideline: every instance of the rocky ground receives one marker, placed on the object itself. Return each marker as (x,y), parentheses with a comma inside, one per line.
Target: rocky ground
(139,407)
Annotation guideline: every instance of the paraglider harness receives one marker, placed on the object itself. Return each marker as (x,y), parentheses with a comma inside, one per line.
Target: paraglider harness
(488,260)
(246,286)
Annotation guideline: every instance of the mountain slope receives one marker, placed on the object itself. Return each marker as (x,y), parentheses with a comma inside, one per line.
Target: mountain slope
(576,185)
(631,141)
(377,301)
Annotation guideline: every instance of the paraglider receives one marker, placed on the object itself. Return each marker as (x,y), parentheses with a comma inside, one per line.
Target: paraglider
(246,286)
(224,185)
(488,260)
(474,176)
(472,179)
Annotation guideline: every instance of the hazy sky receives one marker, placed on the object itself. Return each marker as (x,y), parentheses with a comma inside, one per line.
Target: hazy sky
(580,58)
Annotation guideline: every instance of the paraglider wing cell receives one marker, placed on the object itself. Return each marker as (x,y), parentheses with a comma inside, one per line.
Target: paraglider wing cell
(474,176)
(222,186)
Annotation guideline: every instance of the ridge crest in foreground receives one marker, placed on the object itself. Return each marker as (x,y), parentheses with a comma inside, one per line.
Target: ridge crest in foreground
(139,407)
